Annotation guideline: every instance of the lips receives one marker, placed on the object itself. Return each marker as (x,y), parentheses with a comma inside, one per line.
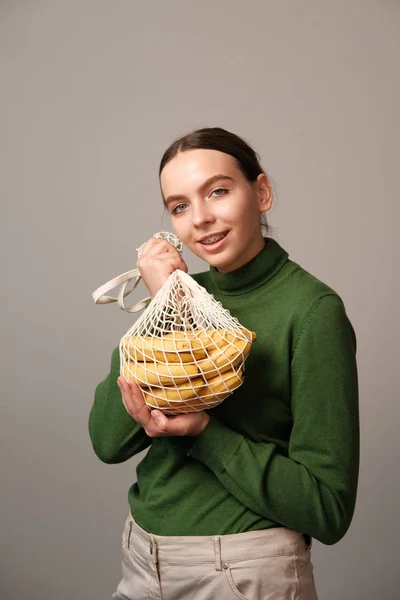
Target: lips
(213,238)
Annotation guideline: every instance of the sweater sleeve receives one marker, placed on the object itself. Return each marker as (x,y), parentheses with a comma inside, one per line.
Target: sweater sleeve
(114,433)
(313,488)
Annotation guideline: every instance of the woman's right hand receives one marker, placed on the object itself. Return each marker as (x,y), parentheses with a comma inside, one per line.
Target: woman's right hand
(155,422)
(157,261)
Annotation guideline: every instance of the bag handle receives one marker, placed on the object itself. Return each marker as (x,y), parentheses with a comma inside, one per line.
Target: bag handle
(100,295)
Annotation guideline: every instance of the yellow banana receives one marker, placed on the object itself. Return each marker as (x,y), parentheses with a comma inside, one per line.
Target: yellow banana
(211,338)
(217,338)
(222,359)
(141,350)
(199,338)
(176,408)
(192,346)
(167,343)
(222,386)
(218,389)
(208,337)
(152,373)
(183,391)
(249,334)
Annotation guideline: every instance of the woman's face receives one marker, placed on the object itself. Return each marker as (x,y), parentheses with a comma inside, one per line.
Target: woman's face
(215,211)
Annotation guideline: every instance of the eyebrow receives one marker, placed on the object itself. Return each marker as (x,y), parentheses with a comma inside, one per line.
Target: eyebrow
(207,183)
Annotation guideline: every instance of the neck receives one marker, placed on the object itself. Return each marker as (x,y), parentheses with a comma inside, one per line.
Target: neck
(251,253)
(255,272)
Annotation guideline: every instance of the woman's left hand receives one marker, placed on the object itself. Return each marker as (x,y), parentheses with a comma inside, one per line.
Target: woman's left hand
(155,422)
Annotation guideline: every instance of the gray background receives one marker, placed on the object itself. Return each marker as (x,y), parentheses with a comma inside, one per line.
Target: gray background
(91,95)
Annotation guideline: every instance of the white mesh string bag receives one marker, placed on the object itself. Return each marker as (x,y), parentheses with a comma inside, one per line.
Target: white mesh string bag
(186,352)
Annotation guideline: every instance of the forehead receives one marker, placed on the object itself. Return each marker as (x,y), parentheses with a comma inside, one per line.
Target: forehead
(189,169)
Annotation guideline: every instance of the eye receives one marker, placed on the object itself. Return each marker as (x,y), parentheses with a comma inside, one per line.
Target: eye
(178,208)
(219,192)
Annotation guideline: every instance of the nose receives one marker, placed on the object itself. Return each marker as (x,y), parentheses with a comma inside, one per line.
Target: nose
(202,213)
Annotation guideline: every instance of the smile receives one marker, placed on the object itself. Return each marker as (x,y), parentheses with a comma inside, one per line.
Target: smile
(213,239)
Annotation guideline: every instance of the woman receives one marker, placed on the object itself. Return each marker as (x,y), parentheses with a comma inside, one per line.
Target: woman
(228,500)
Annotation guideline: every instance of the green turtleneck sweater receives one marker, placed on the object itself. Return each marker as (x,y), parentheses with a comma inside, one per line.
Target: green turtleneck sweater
(283,449)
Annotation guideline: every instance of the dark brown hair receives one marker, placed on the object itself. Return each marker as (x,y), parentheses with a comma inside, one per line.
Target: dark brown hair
(216,138)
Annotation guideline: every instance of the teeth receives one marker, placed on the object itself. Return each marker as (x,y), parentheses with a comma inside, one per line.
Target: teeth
(215,238)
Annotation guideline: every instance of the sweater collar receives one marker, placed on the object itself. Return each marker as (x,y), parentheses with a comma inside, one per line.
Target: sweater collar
(253,274)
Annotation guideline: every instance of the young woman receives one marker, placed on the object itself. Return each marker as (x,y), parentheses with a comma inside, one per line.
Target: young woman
(228,500)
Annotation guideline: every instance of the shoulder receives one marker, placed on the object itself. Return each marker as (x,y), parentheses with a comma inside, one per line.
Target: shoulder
(305,289)
(305,283)
(316,306)
(293,286)
(308,304)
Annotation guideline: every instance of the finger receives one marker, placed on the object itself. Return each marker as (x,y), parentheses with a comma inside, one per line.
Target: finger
(155,271)
(159,261)
(178,425)
(156,246)
(173,259)
(161,422)
(126,395)
(132,399)
(137,409)
(141,409)
(158,258)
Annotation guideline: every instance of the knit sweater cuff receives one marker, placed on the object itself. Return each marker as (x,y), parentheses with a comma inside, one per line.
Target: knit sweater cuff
(215,446)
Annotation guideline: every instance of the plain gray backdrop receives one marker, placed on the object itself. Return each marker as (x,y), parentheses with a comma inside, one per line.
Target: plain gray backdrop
(92,92)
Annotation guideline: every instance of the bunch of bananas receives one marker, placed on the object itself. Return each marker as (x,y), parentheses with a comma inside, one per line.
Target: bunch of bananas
(187,371)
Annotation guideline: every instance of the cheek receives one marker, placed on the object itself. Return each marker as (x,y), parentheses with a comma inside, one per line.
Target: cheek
(238,212)
(181,228)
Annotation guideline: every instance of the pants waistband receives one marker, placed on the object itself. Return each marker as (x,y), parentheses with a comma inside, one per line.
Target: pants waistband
(216,549)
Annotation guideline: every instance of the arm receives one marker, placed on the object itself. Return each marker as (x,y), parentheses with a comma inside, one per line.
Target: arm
(313,489)
(115,435)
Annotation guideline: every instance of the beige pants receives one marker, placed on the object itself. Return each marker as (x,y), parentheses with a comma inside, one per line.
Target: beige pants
(272,564)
